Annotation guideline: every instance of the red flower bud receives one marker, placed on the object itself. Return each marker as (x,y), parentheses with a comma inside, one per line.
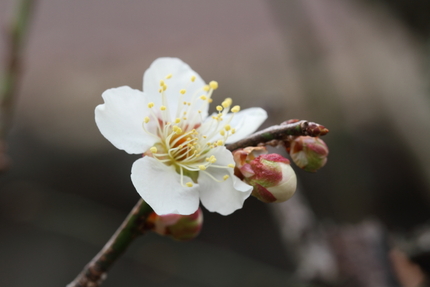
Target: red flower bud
(177,226)
(271,175)
(308,153)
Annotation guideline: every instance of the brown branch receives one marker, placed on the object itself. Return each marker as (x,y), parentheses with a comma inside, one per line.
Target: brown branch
(94,272)
(280,132)
(15,34)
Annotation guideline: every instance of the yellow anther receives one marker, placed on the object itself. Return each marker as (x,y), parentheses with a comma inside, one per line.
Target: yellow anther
(160,90)
(164,87)
(231,165)
(222,132)
(150,105)
(182,91)
(205,137)
(213,85)
(184,118)
(189,184)
(193,78)
(168,76)
(189,104)
(163,108)
(214,117)
(225,177)
(181,146)
(203,97)
(199,111)
(235,109)
(220,142)
(227,127)
(210,101)
(177,130)
(206,88)
(177,121)
(153,149)
(218,108)
(227,102)
(146,120)
(202,167)
(233,131)
(212,159)
(162,83)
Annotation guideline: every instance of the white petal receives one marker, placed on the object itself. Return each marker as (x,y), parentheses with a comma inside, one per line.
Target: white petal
(120,119)
(159,185)
(223,197)
(181,79)
(246,122)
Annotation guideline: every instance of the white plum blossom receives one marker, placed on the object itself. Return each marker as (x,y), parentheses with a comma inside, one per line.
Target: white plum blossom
(185,159)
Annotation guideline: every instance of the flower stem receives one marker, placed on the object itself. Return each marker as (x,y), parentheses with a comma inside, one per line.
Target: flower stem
(280,132)
(94,272)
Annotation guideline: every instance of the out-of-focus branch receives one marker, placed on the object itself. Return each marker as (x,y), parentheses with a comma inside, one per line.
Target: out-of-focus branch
(94,272)
(15,34)
(281,132)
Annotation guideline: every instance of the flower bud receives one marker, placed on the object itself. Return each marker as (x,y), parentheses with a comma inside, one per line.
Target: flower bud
(271,175)
(177,226)
(308,153)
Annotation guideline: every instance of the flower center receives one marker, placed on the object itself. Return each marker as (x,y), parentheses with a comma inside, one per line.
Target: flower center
(187,142)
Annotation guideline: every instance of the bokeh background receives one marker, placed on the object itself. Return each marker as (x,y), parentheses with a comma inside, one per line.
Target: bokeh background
(359,67)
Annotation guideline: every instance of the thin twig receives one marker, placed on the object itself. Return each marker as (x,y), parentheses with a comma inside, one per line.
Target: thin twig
(280,132)
(94,272)
(15,34)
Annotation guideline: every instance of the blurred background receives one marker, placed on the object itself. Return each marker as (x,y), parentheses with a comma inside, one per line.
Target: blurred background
(359,67)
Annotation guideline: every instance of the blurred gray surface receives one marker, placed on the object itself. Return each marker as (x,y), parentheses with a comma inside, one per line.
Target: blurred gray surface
(349,65)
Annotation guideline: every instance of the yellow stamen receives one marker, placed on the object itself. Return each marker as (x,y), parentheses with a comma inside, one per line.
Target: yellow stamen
(227,127)
(202,167)
(218,108)
(227,102)
(213,85)
(168,76)
(146,120)
(210,101)
(150,105)
(182,91)
(164,87)
(189,184)
(235,109)
(206,88)
(203,97)
(231,165)
(225,177)
(220,142)
(162,83)
(193,78)
(222,132)
(153,149)
(163,108)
